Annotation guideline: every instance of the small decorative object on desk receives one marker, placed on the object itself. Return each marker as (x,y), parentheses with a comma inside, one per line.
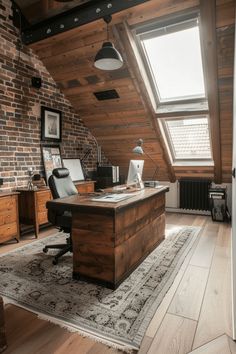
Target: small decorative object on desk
(38,181)
(3,342)
(30,183)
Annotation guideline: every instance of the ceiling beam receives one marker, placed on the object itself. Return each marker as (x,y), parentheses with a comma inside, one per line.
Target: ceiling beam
(126,40)
(209,40)
(75,17)
(19,20)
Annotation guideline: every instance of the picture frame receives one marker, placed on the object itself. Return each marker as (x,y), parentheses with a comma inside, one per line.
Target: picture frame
(51,123)
(51,159)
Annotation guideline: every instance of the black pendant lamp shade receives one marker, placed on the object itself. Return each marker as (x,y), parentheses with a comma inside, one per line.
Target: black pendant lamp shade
(108,57)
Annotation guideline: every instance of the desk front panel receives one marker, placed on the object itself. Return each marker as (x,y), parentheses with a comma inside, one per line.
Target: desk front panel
(109,245)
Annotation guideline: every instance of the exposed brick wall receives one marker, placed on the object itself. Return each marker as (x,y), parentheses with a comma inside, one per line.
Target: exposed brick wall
(20,121)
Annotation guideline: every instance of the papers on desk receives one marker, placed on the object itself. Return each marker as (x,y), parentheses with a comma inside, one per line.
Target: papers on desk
(113,198)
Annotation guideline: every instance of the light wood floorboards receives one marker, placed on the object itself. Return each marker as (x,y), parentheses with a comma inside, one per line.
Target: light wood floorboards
(194,317)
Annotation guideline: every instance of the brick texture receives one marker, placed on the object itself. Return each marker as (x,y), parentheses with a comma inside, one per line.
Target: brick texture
(20,121)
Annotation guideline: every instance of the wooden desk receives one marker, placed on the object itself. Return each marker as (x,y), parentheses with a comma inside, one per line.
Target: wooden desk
(32,204)
(111,239)
(9,218)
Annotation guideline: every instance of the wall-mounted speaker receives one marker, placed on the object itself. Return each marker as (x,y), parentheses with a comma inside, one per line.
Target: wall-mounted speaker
(36,82)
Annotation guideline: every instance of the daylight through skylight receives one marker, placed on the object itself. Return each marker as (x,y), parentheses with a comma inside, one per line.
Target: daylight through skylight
(189,138)
(175,63)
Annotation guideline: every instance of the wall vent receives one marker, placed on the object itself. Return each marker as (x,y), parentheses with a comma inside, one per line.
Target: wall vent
(106,95)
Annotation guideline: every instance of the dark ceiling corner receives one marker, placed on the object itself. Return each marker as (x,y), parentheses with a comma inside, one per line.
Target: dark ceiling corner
(19,20)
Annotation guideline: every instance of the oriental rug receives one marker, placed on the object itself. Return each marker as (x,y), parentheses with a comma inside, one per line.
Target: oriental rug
(118,318)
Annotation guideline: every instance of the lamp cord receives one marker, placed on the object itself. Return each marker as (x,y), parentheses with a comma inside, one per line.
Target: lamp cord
(107,33)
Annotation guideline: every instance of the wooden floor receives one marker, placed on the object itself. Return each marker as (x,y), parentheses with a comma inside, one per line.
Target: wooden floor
(194,317)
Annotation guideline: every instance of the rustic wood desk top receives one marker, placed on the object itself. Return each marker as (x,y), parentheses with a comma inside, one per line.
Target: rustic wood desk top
(6,194)
(46,188)
(76,202)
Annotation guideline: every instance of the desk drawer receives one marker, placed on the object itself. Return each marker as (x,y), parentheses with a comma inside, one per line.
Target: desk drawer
(41,200)
(41,207)
(42,217)
(7,203)
(43,197)
(8,231)
(7,217)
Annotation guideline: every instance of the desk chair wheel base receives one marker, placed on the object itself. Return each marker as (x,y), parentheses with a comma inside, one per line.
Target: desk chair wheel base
(64,248)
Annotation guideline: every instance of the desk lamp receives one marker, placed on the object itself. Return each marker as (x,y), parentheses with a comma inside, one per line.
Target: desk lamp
(87,152)
(30,182)
(139,150)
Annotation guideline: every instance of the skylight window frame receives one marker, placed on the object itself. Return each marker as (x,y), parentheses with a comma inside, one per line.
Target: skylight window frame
(150,30)
(185,161)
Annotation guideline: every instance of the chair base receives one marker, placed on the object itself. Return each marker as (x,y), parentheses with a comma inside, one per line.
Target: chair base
(64,247)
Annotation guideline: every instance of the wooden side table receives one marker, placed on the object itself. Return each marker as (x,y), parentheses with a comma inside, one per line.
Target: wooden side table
(32,204)
(32,207)
(3,342)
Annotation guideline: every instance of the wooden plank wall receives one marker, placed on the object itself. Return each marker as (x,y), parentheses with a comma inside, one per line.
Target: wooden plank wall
(117,124)
(225,29)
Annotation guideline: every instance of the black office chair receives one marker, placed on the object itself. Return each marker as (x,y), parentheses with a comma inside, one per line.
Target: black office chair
(61,185)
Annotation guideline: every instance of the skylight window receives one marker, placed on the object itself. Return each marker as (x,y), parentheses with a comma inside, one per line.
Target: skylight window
(173,62)
(187,138)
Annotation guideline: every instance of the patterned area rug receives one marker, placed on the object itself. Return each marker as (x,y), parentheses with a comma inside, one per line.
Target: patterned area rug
(118,318)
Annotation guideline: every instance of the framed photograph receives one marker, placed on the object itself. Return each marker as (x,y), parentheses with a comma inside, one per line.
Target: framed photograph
(50,124)
(51,159)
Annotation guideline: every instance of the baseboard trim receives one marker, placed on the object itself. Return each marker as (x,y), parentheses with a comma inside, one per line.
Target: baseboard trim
(188,211)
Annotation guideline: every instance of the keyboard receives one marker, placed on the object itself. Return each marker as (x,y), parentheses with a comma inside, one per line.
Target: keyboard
(113,197)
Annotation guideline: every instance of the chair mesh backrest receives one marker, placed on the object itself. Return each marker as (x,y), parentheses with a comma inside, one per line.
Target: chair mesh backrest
(61,187)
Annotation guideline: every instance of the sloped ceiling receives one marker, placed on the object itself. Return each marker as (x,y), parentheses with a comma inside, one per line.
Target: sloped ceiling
(119,123)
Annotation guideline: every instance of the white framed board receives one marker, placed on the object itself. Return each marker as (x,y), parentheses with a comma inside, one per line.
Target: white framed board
(75,169)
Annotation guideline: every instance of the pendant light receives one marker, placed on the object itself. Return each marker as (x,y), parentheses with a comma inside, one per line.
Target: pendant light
(108,57)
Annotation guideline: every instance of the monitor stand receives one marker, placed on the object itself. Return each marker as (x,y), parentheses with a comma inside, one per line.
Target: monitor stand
(138,182)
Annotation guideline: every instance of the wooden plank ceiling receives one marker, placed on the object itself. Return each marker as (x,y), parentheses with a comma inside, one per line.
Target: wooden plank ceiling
(119,123)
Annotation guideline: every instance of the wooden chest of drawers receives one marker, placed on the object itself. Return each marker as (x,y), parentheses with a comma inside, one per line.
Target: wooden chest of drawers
(32,204)
(9,220)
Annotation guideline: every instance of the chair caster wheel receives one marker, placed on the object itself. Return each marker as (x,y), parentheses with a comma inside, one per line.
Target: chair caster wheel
(45,250)
(55,261)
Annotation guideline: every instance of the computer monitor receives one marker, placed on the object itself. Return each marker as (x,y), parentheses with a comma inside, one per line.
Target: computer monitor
(135,173)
